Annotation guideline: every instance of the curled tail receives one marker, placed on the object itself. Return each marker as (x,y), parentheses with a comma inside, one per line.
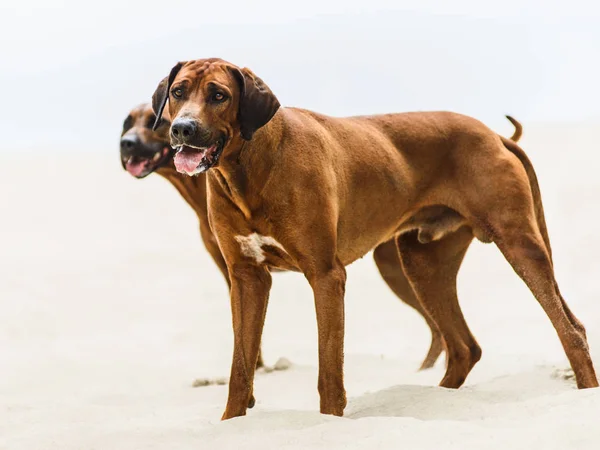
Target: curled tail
(518,129)
(535,189)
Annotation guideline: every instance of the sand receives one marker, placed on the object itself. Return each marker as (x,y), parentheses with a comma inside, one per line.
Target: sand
(111,308)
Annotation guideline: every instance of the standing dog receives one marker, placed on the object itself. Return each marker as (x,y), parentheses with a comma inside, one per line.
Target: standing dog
(297,190)
(144,151)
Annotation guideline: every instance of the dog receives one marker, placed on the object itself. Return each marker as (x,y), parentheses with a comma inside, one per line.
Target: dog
(144,151)
(297,190)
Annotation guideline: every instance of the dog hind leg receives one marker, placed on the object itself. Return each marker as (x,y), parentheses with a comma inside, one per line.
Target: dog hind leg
(432,270)
(389,265)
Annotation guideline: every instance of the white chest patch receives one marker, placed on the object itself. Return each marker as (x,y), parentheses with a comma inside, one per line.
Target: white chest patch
(252,245)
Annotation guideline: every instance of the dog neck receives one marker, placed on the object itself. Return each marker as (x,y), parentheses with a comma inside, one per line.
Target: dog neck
(246,166)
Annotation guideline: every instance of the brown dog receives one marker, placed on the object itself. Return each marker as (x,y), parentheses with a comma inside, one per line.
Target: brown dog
(297,190)
(144,151)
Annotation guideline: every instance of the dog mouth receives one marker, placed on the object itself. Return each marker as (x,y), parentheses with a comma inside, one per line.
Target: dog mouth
(192,160)
(142,166)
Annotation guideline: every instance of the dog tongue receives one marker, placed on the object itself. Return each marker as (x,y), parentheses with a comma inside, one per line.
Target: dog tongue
(188,162)
(135,168)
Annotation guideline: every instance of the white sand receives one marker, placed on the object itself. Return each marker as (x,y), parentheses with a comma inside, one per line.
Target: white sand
(110,308)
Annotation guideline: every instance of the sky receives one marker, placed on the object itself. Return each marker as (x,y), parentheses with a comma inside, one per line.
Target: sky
(71,70)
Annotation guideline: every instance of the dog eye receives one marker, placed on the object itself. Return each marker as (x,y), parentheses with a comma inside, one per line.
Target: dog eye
(218,97)
(177,92)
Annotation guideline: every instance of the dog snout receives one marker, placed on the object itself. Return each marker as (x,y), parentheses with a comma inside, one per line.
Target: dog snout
(129,144)
(183,129)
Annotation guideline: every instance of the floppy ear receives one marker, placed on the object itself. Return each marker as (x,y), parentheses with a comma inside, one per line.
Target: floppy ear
(257,103)
(161,94)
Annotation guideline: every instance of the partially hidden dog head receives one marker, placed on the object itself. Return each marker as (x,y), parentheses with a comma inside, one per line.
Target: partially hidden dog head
(143,148)
(212,103)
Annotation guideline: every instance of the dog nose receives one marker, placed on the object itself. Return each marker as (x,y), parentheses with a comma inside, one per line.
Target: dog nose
(129,143)
(183,129)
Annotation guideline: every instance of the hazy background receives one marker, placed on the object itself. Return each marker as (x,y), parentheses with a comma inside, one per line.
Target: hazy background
(70,70)
(110,306)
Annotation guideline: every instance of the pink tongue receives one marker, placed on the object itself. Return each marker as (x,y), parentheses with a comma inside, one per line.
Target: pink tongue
(188,162)
(135,168)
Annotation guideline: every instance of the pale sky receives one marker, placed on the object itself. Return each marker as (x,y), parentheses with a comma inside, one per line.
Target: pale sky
(71,70)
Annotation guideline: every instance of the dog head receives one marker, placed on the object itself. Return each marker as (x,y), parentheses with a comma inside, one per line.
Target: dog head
(144,149)
(211,103)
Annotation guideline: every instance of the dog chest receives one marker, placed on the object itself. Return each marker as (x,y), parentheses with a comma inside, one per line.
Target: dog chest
(263,249)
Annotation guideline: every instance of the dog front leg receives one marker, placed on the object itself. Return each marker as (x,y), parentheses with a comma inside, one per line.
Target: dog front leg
(329,288)
(250,286)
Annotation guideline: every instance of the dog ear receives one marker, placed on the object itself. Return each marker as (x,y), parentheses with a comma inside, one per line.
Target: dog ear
(257,103)
(161,94)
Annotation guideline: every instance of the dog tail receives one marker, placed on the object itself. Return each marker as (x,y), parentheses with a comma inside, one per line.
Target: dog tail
(535,189)
(518,128)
